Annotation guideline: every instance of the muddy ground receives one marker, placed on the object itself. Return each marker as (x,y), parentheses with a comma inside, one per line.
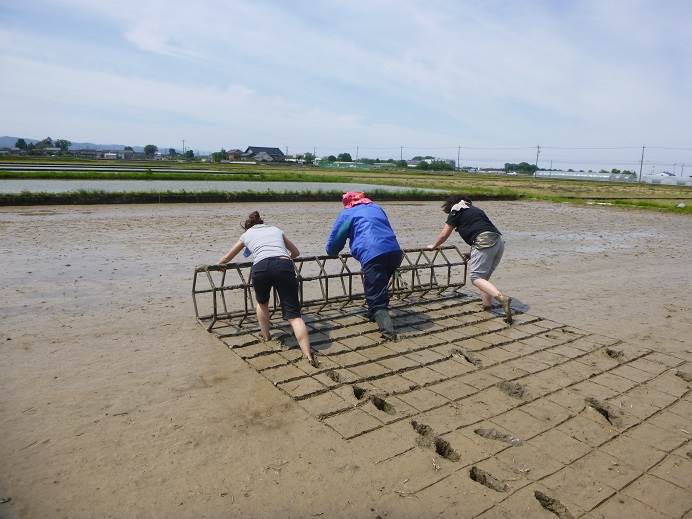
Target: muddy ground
(115,403)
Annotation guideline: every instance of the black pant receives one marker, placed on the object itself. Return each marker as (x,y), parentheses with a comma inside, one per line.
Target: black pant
(376,275)
(278,273)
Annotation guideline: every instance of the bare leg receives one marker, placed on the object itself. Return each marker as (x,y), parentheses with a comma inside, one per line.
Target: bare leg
(486,300)
(489,291)
(263,320)
(301,333)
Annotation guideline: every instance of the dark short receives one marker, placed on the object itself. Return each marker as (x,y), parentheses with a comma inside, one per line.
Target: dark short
(280,274)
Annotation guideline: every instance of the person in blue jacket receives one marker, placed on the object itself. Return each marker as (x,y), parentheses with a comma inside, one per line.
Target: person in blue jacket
(374,244)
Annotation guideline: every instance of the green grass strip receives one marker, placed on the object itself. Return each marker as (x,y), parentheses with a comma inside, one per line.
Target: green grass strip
(105,197)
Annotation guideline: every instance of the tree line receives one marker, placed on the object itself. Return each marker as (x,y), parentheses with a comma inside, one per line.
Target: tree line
(64,146)
(40,146)
(530,169)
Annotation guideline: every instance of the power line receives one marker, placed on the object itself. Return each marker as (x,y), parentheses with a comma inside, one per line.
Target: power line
(590,147)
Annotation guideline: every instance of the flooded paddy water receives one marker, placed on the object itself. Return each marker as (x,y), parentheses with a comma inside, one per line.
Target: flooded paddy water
(115,402)
(190,186)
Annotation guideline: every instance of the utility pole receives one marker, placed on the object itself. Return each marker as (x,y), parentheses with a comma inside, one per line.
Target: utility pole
(401,153)
(458,158)
(682,169)
(183,146)
(551,164)
(356,153)
(641,164)
(287,151)
(538,152)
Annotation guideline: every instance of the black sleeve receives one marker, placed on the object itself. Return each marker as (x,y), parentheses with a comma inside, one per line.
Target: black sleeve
(454,218)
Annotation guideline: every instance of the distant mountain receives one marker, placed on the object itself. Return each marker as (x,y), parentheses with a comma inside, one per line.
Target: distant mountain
(7,141)
(101,147)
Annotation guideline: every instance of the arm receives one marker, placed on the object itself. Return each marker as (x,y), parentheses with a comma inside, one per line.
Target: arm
(233,252)
(291,248)
(445,233)
(339,235)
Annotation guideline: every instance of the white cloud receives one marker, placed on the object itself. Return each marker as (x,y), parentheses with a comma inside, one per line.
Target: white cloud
(100,102)
(382,72)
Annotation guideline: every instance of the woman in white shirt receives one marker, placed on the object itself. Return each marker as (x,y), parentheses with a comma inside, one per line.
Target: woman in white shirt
(273,268)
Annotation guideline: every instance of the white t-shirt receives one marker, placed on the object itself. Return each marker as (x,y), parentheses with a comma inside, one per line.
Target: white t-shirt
(265,241)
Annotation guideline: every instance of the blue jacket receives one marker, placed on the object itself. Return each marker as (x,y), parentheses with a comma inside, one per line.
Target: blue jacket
(367,228)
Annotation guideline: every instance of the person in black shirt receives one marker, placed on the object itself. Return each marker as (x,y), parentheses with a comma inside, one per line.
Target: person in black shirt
(486,243)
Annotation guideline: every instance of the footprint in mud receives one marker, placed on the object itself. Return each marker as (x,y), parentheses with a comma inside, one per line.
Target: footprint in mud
(468,357)
(487,479)
(553,505)
(381,404)
(513,389)
(614,354)
(334,376)
(604,410)
(359,392)
(428,439)
(685,375)
(378,401)
(494,434)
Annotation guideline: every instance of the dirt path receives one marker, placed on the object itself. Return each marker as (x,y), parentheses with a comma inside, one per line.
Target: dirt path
(114,403)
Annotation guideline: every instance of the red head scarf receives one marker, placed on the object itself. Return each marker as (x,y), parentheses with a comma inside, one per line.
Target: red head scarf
(354,198)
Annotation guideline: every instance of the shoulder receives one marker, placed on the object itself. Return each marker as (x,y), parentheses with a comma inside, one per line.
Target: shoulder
(454,216)
(371,208)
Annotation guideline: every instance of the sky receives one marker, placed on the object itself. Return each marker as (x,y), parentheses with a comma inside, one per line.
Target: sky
(497,78)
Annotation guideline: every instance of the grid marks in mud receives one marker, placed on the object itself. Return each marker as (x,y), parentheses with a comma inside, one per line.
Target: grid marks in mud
(544,416)
(449,351)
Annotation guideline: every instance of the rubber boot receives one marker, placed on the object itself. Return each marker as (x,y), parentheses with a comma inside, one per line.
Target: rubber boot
(385,324)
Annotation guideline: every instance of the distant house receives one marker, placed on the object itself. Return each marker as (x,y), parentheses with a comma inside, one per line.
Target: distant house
(234,154)
(263,154)
(110,155)
(88,153)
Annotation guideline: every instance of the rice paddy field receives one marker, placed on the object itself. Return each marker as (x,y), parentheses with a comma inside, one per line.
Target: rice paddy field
(646,196)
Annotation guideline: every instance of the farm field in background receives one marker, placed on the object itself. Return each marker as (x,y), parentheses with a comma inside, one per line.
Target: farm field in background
(485,186)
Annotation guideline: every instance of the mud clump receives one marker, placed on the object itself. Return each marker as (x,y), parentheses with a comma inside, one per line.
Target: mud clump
(381,404)
(494,434)
(513,389)
(488,480)
(605,411)
(553,505)
(685,375)
(468,357)
(614,354)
